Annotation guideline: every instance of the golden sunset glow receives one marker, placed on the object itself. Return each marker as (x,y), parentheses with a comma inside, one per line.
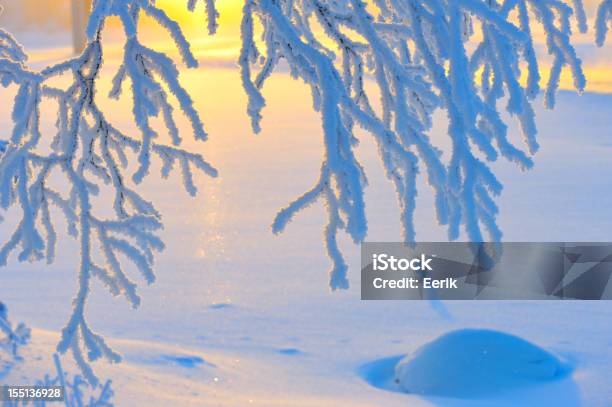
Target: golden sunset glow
(224,46)
(230,13)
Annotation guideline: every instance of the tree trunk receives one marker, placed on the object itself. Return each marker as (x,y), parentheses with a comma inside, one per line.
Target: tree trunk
(80,14)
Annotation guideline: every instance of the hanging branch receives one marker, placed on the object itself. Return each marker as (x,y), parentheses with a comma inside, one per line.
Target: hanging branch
(422,56)
(89,151)
(604,17)
(464,57)
(11,339)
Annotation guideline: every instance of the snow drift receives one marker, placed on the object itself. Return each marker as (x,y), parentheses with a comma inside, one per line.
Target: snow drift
(473,363)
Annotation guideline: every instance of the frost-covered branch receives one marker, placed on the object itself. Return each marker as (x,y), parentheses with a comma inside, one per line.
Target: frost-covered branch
(604,19)
(77,391)
(11,339)
(464,57)
(211,13)
(91,153)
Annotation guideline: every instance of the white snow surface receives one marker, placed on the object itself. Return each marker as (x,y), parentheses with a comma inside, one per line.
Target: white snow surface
(477,364)
(241,317)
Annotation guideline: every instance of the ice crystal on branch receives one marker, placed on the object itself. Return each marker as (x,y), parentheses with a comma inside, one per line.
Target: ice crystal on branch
(89,152)
(604,18)
(211,13)
(11,339)
(77,392)
(464,57)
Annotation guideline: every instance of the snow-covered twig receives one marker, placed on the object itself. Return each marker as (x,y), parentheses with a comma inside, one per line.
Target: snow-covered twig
(11,338)
(211,13)
(77,392)
(90,152)
(423,55)
(604,18)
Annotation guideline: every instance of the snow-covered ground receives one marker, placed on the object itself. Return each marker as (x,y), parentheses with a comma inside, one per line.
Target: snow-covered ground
(241,317)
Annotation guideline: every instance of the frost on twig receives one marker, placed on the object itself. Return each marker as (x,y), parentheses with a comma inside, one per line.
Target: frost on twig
(463,57)
(211,13)
(604,18)
(11,339)
(90,152)
(77,391)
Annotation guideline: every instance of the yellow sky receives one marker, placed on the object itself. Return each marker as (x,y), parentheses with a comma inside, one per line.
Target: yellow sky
(230,12)
(226,44)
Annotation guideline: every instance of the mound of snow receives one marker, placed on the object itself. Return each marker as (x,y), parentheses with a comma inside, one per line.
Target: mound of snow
(476,363)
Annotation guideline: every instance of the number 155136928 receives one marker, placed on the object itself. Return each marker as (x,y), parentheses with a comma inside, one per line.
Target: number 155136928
(31,393)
